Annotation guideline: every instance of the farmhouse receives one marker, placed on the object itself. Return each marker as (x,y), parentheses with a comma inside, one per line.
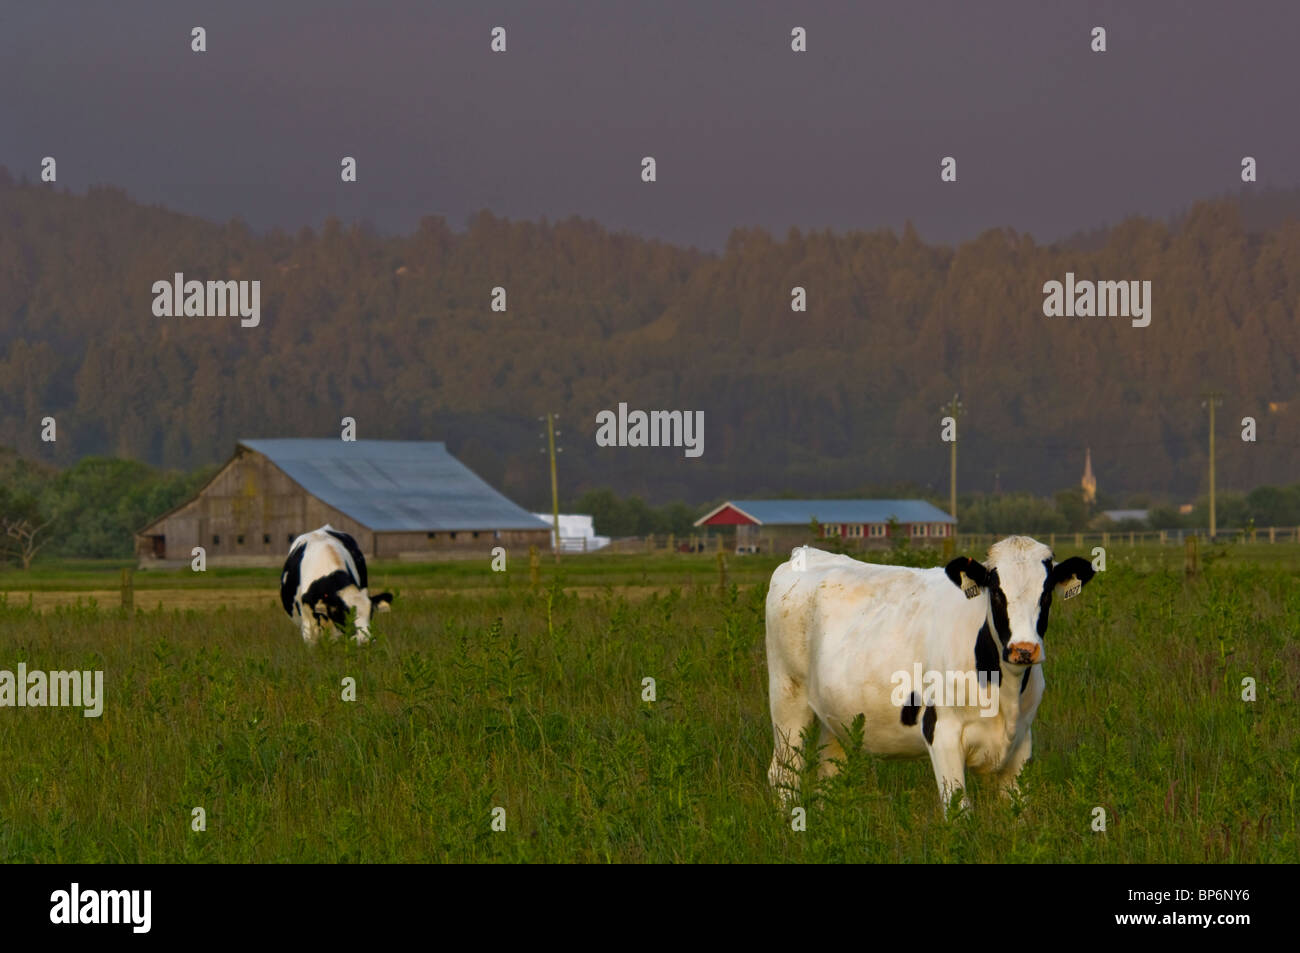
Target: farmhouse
(395,497)
(778,523)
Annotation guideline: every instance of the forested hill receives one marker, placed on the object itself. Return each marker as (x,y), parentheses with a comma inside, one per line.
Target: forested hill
(397,332)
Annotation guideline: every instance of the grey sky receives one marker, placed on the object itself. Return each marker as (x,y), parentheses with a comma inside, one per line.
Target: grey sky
(1049,137)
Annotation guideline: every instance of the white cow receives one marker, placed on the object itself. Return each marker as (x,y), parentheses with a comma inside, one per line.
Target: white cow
(323,578)
(846,638)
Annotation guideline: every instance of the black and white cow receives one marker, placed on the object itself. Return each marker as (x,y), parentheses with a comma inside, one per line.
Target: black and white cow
(324,577)
(940,662)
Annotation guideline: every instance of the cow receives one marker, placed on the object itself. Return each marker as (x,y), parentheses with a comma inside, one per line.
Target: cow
(846,638)
(324,577)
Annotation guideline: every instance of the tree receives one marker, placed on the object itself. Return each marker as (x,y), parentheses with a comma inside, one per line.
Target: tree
(22,523)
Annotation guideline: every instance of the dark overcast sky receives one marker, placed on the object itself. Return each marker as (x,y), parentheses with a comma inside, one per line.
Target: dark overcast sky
(1049,137)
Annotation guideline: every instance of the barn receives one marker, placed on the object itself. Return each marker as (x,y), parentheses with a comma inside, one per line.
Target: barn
(772,525)
(396,498)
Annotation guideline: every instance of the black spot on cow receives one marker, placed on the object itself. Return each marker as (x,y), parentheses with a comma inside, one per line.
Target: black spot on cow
(1024,681)
(986,654)
(325,591)
(1044,603)
(927,724)
(998,605)
(910,710)
(354,551)
(290,577)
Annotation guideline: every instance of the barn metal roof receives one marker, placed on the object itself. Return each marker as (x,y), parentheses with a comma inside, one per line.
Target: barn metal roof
(801,512)
(395,485)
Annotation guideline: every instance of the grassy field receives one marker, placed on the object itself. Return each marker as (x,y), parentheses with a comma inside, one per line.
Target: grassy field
(481,692)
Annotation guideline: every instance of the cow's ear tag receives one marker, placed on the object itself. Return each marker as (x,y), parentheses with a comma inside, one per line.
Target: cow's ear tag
(1073,588)
(969,589)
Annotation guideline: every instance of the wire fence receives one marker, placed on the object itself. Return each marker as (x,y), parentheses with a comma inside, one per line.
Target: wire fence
(779,543)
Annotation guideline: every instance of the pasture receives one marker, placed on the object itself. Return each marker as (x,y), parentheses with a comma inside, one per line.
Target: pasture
(484,691)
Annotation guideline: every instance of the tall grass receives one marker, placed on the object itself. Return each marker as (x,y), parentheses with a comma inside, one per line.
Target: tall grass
(532,701)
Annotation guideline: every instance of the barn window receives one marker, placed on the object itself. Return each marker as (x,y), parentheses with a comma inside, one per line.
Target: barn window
(855,529)
(216,540)
(877,529)
(266,539)
(452,535)
(476,534)
(919,529)
(240,539)
(432,535)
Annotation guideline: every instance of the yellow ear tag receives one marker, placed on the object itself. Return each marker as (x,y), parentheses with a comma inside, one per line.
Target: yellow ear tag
(970,589)
(1072,589)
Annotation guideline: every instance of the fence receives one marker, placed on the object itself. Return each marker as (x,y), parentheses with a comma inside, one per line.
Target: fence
(967,542)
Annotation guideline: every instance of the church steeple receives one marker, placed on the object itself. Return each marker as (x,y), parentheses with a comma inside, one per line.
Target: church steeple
(1089,482)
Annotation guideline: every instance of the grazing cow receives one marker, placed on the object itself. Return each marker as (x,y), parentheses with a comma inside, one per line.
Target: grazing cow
(846,638)
(324,577)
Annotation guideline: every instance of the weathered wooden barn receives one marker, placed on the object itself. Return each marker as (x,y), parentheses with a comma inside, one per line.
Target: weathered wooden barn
(397,498)
(776,525)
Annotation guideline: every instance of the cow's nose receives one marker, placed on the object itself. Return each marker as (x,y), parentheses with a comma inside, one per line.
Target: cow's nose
(1024,653)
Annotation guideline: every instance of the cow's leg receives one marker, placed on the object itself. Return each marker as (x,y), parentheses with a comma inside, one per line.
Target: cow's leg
(791,715)
(1011,771)
(831,754)
(310,631)
(946,756)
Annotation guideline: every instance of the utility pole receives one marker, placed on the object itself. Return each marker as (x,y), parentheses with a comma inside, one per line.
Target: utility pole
(1212,399)
(551,434)
(953,409)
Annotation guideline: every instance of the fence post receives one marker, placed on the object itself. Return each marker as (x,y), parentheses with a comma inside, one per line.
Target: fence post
(1078,540)
(1051,541)
(722,571)
(128,589)
(534,567)
(672,543)
(1189,556)
(1272,534)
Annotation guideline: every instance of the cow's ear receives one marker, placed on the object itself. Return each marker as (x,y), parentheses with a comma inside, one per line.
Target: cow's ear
(1070,575)
(382,602)
(968,575)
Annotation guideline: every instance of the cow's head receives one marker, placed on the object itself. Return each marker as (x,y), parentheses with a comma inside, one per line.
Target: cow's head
(366,607)
(1019,576)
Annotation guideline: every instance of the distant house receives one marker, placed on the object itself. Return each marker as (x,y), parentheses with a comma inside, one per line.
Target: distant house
(577,533)
(396,497)
(1125,516)
(868,521)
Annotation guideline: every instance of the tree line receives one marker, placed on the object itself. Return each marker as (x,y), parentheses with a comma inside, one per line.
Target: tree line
(398,333)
